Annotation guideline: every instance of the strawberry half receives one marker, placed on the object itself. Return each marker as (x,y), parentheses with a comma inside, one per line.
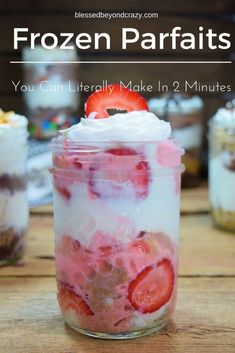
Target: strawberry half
(68,299)
(119,172)
(120,99)
(152,287)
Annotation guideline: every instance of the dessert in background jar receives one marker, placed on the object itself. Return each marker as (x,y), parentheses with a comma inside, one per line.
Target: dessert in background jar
(185,116)
(222,167)
(116,216)
(13,193)
(50,97)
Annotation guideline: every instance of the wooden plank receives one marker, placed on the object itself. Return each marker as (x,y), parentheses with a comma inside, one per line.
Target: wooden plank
(195,200)
(57,24)
(204,321)
(39,259)
(198,253)
(205,250)
(189,7)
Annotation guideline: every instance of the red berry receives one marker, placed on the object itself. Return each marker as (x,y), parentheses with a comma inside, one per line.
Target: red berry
(77,164)
(119,172)
(68,299)
(59,183)
(120,99)
(140,246)
(152,287)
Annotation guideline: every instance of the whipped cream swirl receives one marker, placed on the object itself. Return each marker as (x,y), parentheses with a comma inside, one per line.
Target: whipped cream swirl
(136,126)
(224,118)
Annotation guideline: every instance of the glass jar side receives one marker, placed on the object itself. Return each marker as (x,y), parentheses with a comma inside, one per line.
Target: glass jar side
(116,216)
(13,198)
(222,176)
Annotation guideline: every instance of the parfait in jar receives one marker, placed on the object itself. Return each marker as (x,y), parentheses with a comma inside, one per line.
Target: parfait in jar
(116,214)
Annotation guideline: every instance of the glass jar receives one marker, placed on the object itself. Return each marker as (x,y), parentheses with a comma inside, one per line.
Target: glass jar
(116,217)
(185,116)
(13,193)
(222,167)
(51,97)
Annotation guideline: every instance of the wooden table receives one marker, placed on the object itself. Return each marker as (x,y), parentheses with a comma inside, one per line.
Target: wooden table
(204,321)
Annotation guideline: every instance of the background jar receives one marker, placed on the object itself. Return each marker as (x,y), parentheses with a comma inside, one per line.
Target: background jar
(222,167)
(51,97)
(185,115)
(13,194)
(111,231)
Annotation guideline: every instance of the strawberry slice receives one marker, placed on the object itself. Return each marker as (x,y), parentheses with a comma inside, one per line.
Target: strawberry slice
(60,185)
(152,287)
(68,299)
(119,172)
(140,246)
(120,99)
(69,246)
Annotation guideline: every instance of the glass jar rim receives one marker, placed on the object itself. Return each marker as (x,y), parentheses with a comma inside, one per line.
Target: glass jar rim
(88,151)
(64,144)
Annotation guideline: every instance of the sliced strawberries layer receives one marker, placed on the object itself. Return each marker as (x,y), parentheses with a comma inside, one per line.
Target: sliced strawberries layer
(114,98)
(152,287)
(119,172)
(68,299)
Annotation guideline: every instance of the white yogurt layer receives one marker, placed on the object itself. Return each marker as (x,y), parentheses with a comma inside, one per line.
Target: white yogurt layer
(14,210)
(136,126)
(13,143)
(222,185)
(124,219)
(178,105)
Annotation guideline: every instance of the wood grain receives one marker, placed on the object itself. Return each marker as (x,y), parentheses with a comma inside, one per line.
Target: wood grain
(195,200)
(204,321)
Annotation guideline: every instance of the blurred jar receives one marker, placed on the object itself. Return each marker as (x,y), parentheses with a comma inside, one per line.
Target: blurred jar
(13,187)
(222,166)
(185,116)
(51,97)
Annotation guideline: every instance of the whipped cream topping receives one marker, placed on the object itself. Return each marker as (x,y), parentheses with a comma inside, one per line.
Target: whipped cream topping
(175,105)
(136,126)
(11,122)
(225,117)
(13,127)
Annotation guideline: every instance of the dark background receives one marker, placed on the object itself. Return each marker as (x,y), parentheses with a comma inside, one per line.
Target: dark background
(58,15)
